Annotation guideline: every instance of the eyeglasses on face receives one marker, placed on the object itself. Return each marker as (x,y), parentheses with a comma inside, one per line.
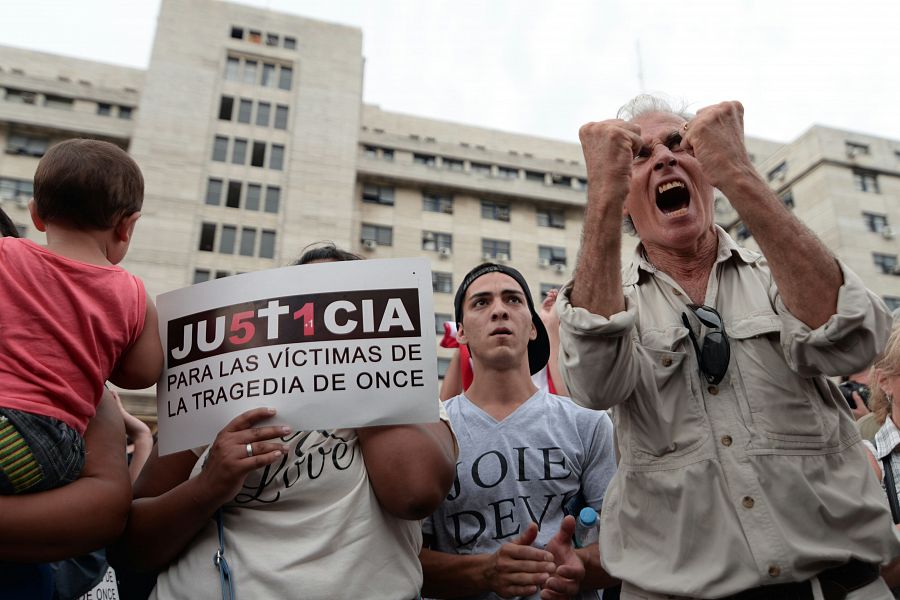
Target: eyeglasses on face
(715,353)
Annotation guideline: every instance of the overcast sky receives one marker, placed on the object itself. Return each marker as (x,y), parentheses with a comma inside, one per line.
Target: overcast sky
(543,68)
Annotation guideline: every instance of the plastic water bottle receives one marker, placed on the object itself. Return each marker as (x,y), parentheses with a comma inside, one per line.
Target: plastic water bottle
(586,532)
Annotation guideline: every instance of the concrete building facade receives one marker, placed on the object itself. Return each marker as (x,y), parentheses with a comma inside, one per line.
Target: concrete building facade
(254,141)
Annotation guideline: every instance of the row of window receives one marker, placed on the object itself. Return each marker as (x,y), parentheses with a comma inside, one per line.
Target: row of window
(62,102)
(201,275)
(239,154)
(245,113)
(226,239)
(436,241)
(28,145)
(440,203)
(266,74)
(249,196)
(254,36)
(863,179)
(481,168)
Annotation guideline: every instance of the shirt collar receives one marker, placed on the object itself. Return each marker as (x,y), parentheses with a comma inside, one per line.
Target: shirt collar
(726,250)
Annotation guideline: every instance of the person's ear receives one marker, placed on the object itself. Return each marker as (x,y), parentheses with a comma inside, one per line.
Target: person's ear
(882,379)
(38,222)
(461,334)
(124,229)
(533,334)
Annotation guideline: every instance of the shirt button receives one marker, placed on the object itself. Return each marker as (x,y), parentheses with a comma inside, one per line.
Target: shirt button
(726,440)
(774,571)
(712,390)
(667,361)
(748,503)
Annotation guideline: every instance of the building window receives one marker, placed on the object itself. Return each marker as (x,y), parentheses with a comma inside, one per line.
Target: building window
(498,211)
(495,249)
(535,176)
(26,144)
(248,241)
(442,365)
(201,275)
(244,110)
(387,154)
(433,202)
(227,239)
(254,191)
(551,217)
(268,75)
(254,37)
(226,107)
(232,69)
(237,33)
(893,302)
(207,237)
(875,222)
(220,148)
(552,255)
(561,180)
(854,149)
(58,102)
(258,156)
(886,262)
(290,43)
(480,168)
(424,159)
(273,199)
(452,164)
(779,173)
(379,234)
(214,192)
(103,109)
(507,173)
(233,199)
(788,199)
(442,282)
(267,244)
(866,181)
(580,183)
(285,77)
(439,320)
(125,112)
(434,241)
(222,274)
(276,160)
(20,190)
(239,152)
(374,194)
(263,112)
(281,116)
(20,96)
(272,39)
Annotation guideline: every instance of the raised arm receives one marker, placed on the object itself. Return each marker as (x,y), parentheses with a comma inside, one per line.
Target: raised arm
(411,467)
(806,273)
(80,517)
(170,508)
(609,148)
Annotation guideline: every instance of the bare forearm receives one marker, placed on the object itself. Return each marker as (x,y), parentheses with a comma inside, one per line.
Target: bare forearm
(598,275)
(806,273)
(411,467)
(453,575)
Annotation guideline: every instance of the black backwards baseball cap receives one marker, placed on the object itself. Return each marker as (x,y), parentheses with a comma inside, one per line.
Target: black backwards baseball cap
(539,347)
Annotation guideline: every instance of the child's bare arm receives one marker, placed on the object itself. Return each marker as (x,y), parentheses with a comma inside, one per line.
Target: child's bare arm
(141,365)
(80,517)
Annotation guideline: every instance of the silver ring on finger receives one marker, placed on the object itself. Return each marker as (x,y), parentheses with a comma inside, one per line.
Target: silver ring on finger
(249,450)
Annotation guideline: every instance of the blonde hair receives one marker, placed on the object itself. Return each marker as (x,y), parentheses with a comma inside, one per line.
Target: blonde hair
(887,364)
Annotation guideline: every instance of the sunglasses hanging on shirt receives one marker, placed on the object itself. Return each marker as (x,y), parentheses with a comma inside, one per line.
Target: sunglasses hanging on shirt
(715,352)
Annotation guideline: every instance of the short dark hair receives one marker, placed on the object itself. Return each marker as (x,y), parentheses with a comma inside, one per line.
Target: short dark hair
(88,184)
(325,251)
(7,227)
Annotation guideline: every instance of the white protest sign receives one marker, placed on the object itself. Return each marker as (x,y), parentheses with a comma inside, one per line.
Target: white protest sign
(105,590)
(331,345)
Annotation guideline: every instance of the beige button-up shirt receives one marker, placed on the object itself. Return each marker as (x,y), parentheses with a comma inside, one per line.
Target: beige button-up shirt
(758,480)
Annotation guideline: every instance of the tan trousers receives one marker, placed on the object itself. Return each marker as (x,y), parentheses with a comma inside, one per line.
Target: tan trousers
(877,590)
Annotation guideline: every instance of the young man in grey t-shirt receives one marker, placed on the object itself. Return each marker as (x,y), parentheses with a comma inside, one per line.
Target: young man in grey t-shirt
(524,455)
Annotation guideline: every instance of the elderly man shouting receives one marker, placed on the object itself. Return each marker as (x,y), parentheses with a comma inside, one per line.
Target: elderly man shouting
(742,474)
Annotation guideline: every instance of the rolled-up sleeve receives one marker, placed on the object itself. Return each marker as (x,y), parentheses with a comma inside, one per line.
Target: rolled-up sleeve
(592,349)
(847,343)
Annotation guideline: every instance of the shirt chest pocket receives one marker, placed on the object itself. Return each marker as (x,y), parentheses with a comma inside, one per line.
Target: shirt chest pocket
(665,422)
(784,409)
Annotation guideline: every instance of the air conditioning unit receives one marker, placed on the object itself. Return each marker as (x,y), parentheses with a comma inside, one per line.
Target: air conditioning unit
(369,244)
(887,232)
(503,257)
(543,263)
(559,267)
(445,252)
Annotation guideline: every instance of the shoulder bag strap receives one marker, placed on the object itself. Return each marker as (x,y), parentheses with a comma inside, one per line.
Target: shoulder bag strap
(891,488)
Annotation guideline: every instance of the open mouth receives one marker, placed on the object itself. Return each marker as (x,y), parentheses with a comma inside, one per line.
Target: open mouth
(673,198)
(501,331)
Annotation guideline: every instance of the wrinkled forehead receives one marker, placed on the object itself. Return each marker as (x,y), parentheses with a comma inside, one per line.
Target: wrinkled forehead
(657,126)
(493,283)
